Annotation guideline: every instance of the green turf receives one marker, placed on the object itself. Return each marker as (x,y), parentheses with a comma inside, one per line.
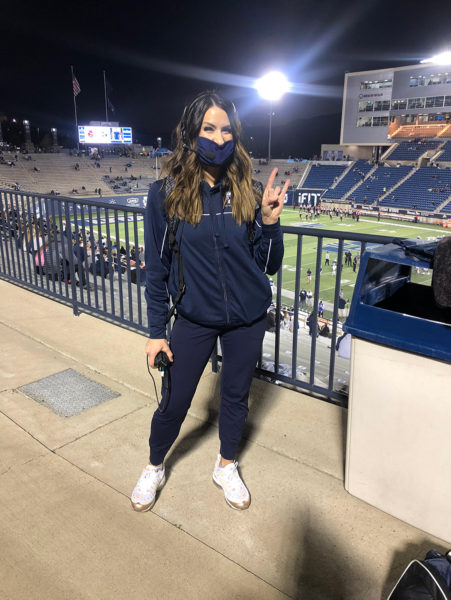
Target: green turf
(366,225)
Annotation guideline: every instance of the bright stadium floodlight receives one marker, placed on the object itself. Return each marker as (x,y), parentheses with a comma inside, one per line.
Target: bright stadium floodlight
(444,58)
(272,86)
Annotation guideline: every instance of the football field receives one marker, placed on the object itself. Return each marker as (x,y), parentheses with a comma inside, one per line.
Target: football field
(366,225)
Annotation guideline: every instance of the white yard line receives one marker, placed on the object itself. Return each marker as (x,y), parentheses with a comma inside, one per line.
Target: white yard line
(400,225)
(396,224)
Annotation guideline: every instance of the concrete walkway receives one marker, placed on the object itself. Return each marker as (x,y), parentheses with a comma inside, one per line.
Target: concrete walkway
(67,529)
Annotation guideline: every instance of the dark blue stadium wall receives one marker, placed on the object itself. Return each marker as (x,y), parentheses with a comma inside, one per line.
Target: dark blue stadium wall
(138,200)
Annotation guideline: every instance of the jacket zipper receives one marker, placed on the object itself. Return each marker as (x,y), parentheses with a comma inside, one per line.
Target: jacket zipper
(220,269)
(221,277)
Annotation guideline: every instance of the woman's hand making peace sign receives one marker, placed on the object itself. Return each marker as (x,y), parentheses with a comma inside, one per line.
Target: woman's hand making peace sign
(272,201)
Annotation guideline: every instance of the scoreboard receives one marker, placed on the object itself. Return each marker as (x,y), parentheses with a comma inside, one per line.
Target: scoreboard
(89,134)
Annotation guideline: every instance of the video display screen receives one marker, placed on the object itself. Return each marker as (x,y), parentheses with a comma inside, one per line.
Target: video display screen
(89,134)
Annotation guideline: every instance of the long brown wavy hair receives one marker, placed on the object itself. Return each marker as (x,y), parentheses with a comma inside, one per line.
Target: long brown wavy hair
(186,171)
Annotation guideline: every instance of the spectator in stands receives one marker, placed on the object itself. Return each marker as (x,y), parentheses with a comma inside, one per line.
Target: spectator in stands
(79,266)
(310,322)
(342,307)
(100,267)
(271,320)
(48,261)
(303,298)
(218,165)
(285,322)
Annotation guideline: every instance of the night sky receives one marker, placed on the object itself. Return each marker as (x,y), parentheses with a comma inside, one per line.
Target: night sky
(157,55)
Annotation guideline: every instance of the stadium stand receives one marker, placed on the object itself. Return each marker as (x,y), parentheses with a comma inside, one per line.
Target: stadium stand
(427,189)
(63,173)
(447,208)
(358,171)
(421,131)
(412,151)
(287,169)
(445,156)
(379,183)
(67,174)
(323,176)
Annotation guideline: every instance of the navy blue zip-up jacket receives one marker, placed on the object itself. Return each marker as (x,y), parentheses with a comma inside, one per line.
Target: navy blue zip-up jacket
(225,284)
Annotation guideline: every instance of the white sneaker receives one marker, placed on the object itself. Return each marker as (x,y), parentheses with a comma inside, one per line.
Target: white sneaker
(144,495)
(235,492)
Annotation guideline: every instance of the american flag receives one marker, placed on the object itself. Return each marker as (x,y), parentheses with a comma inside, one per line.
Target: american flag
(76,86)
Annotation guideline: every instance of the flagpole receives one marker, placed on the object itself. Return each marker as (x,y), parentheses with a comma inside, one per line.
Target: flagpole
(75,108)
(106,102)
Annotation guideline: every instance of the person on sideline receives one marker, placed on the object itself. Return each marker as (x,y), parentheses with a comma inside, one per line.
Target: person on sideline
(230,239)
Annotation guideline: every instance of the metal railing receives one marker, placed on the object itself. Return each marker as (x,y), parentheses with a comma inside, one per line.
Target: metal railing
(70,270)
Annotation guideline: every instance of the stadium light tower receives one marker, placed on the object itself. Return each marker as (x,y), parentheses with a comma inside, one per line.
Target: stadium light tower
(272,87)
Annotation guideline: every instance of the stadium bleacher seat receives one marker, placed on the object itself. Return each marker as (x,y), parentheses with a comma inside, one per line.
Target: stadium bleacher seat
(446,155)
(412,150)
(379,183)
(426,190)
(43,172)
(355,175)
(262,171)
(323,176)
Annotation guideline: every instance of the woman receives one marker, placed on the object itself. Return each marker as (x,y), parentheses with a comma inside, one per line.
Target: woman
(229,237)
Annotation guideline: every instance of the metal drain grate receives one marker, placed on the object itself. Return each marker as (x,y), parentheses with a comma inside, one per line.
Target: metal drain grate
(68,393)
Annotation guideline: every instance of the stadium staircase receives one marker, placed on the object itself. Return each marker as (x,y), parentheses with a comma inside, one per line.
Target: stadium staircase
(400,182)
(304,175)
(359,183)
(414,151)
(371,190)
(386,155)
(444,156)
(445,206)
(321,176)
(342,176)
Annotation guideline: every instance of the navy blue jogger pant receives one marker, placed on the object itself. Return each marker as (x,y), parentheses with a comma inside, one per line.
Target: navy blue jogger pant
(192,345)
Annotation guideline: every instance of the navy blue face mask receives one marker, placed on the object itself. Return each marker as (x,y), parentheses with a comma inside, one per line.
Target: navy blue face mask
(212,153)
